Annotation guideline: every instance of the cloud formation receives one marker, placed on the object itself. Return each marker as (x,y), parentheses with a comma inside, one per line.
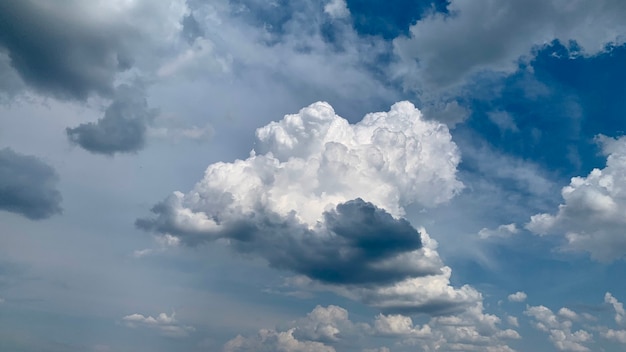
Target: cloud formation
(591,217)
(329,327)
(559,328)
(446,49)
(325,199)
(77,49)
(165,324)
(28,186)
(123,127)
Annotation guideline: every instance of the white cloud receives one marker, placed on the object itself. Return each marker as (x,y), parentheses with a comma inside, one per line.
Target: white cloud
(617,306)
(167,325)
(503,231)
(615,335)
(559,329)
(470,330)
(327,327)
(271,340)
(591,216)
(512,321)
(444,50)
(518,296)
(568,313)
(312,172)
(337,9)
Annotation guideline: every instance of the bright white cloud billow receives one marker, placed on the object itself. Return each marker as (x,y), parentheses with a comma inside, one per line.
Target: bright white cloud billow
(325,199)
(592,215)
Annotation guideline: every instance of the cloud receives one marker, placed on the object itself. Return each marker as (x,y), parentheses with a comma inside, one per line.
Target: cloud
(447,49)
(517,297)
(325,199)
(615,335)
(327,328)
(591,217)
(123,127)
(618,306)
(167,325)
(560,328)
(337,9)
(503,231)
(28,186)
(77,49)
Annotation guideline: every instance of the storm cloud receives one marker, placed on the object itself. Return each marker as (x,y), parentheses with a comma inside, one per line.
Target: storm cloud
(28,186)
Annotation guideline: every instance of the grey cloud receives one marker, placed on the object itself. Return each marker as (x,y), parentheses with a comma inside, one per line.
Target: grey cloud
(445,50)
(359,237)
(191,28)
(28,186)
(123,127)
(60,52)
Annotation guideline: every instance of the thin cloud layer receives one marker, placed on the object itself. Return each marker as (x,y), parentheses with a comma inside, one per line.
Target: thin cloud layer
(592,216)
(28,186)
(324,199)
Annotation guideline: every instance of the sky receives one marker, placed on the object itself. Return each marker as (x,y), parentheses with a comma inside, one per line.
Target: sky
(304,176)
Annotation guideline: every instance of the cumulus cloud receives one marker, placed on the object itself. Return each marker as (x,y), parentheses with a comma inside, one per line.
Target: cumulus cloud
(28,186)
(559,328)
(271,340)
(591,217)
(502,231)
(167,325)
(444,50)
(329,327)
(123,127)
(324,198)
(518,297)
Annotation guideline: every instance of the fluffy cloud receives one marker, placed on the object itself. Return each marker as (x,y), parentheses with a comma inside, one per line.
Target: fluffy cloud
(167,325)
(443,50)
(471,330)
(28,186)
(559,328)
(503,231)
(325,199)
(123,127)
(518,296)
(591,217)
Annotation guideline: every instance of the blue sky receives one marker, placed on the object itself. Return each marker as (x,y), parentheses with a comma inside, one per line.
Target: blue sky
(333,175)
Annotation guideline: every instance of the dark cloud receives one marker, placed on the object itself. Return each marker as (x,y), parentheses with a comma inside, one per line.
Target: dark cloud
(355,245)
(59,52)
(123,127)
(28,186)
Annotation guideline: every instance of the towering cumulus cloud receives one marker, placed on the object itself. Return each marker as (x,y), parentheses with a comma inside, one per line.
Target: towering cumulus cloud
(325,199)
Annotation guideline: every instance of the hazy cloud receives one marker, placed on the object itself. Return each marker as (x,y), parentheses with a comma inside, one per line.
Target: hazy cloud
(28,186)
